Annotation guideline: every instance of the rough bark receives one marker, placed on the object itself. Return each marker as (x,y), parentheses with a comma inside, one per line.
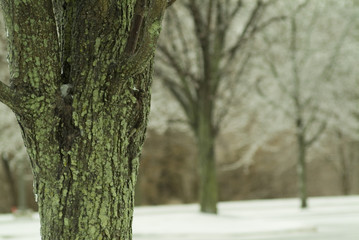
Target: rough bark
(81,76)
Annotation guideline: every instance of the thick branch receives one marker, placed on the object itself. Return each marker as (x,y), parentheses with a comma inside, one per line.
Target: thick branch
(33,44)
(136,27)
(140,49)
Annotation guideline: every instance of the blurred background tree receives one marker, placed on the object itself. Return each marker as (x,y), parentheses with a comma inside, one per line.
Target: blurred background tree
(302,63)
(204,53)
(16,176)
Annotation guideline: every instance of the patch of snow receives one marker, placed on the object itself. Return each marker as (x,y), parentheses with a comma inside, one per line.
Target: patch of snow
(280,219)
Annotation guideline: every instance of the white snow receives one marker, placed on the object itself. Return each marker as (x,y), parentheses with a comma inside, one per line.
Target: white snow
(328,218)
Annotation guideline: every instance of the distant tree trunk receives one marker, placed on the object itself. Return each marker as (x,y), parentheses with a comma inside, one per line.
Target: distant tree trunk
(208,191)
(81,76)
(302,171)
(344,169)
(9,177)
(345,183)
(21,189)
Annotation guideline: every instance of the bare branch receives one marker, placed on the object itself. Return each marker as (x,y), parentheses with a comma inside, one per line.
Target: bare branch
(177,24)
(270,21)
(235,10)
(294,62)
(199,22)
(274,71)
(175,65)
(229,12)
(317,134)
(247,31)
(328,70)
(179,93)
(293,43)
(223,112)
(312,118)
(182,75)
(308,42)
(252,26)
(135,62)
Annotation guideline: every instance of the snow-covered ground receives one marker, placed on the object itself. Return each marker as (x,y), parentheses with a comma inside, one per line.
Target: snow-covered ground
(328,218)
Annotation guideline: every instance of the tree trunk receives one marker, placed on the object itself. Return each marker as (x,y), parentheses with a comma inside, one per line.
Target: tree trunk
(22,190)
(302,171)
(344,168)
(81,75)
(208,179)
(10,179)
(85,173)
(345,183)
(208,191)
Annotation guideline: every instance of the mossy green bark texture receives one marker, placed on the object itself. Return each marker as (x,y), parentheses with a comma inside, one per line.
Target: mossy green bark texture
(80,87)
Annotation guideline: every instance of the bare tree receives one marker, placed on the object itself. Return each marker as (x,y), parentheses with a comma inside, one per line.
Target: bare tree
(202,54)
(300,79)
